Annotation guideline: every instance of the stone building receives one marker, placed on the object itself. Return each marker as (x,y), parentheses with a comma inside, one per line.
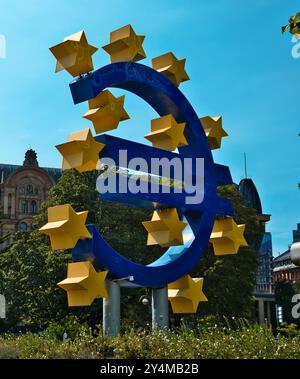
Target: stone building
(22,191)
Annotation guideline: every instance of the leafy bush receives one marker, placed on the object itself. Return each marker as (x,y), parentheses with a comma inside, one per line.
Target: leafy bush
(227,342)
(8,352)
(69,325)
(289,330)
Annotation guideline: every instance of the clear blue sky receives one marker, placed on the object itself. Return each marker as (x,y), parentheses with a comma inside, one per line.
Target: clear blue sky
(239,64)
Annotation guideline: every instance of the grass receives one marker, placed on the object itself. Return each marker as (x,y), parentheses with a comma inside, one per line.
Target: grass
(254,342)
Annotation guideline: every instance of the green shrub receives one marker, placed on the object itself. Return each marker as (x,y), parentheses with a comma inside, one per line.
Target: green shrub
(289,330)
(210,342)
(69,324)
(8,352)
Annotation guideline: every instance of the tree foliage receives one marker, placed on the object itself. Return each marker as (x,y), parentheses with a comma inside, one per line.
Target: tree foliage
(3,237)
(284,291)
(29,270)
(230,280)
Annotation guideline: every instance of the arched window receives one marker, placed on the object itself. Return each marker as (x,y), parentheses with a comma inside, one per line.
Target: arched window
(29,189)
(33,207)
(22,226)
(9,205)
(24,206)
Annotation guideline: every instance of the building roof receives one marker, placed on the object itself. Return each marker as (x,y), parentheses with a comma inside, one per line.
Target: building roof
(251,198)
(283,262)
(282,257)
(7,169)
(250,194)
(30,160)
(287,254)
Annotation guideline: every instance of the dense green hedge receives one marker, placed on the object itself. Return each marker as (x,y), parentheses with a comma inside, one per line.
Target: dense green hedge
(253,342)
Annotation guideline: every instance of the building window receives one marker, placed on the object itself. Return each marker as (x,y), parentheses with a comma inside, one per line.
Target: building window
(24,206)
(9,205)
(33,207)
(29,189)
(22,226)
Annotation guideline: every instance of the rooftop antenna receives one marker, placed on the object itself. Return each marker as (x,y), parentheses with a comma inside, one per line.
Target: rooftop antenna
(245,165)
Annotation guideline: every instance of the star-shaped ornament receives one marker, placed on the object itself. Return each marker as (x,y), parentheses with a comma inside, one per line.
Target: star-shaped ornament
(173,68)
(227,237)
(185,294)
(83,284)
(81,151)
(165,228)
(125,45)
(166,133)
(74,54)
(213,130)
(106,111)
(65,227)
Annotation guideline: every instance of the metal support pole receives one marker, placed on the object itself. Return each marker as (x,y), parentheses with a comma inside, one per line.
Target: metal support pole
(160,309)
(111,309)
(261,311)
(269,312)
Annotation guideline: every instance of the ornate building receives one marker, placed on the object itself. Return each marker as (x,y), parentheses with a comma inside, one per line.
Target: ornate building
(22,191)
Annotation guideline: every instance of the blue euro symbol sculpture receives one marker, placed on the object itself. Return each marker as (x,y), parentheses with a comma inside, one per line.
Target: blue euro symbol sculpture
(165,98)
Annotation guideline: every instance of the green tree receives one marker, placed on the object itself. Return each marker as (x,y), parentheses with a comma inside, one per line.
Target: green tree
(230,280)
(293,26)
(29,270)
(3,237)
(284,292)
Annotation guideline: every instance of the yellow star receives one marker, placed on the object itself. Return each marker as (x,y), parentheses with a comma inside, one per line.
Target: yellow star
(168,65)
(227,236)
(185,294)
(81,151)
(65,227)
(166,133)
(74,54)
(165,228)
(124,45)
(83,284)
(106,111)
(213,130)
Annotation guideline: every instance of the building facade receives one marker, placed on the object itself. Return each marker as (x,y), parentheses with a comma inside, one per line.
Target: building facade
(264,277)
(22,191)
(264,290)
(283,267)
